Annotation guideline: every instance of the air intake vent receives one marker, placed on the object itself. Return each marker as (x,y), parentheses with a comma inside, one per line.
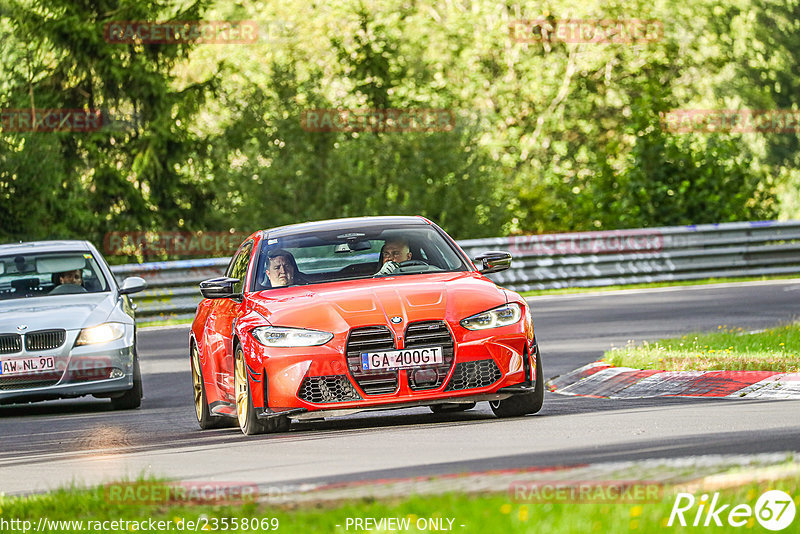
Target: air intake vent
(476,374)
(326,389)
(45,339)
(369,339)
(430,334)
(10,383)
(10,343)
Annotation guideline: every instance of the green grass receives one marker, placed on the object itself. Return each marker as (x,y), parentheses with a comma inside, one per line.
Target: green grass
(775,349)
(705,281)
(478,514)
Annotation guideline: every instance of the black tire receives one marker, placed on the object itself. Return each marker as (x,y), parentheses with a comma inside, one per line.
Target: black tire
(528,403)
(249,423)
(205,420)
(451,408)
(131,399)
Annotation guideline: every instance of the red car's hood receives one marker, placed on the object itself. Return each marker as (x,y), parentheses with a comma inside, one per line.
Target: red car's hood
(338,306)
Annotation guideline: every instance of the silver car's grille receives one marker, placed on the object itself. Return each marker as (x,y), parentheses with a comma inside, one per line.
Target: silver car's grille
(10,343)
(45,339)
(27,382)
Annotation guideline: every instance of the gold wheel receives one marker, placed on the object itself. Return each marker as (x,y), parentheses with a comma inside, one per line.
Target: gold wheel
(204,417)
(240,385)
(197,384)
(245,412)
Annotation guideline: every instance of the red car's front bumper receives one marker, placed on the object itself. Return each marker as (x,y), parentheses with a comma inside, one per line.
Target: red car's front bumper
(317,381)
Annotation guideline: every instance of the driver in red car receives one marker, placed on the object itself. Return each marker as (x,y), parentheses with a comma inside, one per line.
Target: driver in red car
(394,252)
(282,268)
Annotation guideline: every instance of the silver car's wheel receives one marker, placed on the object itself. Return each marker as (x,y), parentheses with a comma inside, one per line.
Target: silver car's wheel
(132,398)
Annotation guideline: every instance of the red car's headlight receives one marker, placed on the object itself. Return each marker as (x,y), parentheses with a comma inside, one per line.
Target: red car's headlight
(504,315)
(278,336)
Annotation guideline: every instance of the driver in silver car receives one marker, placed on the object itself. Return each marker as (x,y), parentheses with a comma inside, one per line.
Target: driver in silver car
(394,252)
(69,277)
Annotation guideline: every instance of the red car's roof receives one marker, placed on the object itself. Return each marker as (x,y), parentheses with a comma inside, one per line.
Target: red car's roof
(352,223)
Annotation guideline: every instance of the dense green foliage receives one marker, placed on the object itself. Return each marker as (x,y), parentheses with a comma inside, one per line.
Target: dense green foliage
(549,136)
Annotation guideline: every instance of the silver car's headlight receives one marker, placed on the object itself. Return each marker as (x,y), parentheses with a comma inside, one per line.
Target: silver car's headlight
(278,336)
(102,333)
(504,315)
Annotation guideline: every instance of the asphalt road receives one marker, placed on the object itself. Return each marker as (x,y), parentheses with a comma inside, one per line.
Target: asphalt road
(52,444)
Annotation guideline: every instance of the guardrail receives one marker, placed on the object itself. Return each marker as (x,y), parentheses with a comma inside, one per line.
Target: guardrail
(548,261)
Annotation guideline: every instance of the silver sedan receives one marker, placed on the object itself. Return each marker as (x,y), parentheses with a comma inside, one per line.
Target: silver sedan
(67,328)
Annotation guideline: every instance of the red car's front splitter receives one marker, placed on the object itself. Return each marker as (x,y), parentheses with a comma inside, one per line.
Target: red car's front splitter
(512,383)
(304,413)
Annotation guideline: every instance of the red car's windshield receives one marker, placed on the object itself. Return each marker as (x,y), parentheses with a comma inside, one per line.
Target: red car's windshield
(352,253)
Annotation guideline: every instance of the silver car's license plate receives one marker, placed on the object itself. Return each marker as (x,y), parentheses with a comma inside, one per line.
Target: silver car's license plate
(21,366)
(401,359)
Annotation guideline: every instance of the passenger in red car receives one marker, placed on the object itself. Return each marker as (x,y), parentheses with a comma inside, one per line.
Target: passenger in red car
(282,268)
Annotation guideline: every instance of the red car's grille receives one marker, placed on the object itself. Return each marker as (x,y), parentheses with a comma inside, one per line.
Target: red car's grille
(476,374)
(430,334)
(326,389)
(368,339)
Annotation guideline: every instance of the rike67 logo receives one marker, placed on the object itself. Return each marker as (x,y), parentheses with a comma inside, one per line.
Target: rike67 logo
(774,510)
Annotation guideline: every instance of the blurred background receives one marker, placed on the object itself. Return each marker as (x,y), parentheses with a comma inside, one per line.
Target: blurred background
(549,135)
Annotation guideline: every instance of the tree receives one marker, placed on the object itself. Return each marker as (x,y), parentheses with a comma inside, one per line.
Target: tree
(116,178)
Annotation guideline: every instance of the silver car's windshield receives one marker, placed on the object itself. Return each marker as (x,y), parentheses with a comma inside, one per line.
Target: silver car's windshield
(352,253)
(49,274)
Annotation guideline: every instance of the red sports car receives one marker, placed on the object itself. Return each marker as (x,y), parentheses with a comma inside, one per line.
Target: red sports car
(329,318)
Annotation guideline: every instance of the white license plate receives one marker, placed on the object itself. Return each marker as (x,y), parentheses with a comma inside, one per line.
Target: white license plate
(23,366)
(400,359)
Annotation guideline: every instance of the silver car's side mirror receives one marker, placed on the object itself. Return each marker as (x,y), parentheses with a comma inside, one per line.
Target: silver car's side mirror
(493,261)
(134,284)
